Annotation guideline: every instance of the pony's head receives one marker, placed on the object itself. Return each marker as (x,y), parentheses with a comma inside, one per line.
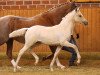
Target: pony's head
(79,17)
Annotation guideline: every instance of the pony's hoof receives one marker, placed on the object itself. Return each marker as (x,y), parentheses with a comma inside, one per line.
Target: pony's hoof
(35,64)
(63,67)
(18,67)
(78,62)
(51,69)
(14,69)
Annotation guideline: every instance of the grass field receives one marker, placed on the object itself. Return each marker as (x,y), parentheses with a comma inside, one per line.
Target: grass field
(90,65)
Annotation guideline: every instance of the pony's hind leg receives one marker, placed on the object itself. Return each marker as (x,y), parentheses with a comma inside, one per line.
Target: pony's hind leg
(19,56)
(54,58)
(35,56)
(75,48)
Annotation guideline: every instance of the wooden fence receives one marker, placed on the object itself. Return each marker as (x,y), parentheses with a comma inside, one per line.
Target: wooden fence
(89,35)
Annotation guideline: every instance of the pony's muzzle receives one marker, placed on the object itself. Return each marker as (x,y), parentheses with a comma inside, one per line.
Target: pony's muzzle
(85,22)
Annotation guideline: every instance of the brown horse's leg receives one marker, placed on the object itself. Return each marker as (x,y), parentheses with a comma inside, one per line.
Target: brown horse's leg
(53,49)
(9,48)
(9,51)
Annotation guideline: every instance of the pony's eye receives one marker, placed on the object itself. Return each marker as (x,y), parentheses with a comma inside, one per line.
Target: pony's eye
(80,15)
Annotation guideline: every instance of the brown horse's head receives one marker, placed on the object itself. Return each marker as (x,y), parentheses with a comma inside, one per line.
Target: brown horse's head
(56,13)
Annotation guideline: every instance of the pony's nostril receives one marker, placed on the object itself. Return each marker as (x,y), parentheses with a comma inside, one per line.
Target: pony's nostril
(85,23)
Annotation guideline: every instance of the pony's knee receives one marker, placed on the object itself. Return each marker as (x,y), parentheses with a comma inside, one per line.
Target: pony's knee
(75,47)
(20,53)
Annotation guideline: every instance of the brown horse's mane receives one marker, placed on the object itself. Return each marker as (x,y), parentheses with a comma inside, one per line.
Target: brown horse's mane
(49,10)
(57,6)
(73,6)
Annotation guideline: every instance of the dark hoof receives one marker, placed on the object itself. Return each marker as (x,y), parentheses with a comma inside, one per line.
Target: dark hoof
(72,64)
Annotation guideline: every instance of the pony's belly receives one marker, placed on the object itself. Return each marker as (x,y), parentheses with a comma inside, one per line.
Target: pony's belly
(49,41)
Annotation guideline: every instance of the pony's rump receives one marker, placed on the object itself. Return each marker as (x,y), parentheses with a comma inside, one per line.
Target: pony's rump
(17,33)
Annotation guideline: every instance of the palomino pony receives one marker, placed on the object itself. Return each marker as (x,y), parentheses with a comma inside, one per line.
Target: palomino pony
(58,35)
(49,18)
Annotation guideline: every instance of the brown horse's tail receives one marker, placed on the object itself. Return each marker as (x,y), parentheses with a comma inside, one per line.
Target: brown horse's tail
(17,33)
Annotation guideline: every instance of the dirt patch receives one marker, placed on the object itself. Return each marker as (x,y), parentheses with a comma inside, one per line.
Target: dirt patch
(44,70)
(89,66)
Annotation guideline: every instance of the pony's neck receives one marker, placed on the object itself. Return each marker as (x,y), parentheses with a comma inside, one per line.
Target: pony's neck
(68,19)
(68,23)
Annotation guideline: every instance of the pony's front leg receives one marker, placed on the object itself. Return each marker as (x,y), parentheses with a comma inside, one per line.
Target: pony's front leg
(75,48)
(19,56)
(55,56)
(59,64)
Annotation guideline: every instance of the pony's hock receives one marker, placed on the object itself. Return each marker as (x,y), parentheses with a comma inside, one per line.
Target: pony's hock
(55,35)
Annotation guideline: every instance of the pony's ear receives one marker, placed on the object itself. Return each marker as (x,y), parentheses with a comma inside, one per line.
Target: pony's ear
(77,9)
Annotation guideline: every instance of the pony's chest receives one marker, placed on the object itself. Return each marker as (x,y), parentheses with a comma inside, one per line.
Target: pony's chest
(48,38)
(63,35)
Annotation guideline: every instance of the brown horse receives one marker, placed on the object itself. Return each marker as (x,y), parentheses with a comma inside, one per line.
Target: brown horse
(10,23)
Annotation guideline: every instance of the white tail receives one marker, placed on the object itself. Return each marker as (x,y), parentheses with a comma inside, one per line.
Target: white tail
(17,33)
